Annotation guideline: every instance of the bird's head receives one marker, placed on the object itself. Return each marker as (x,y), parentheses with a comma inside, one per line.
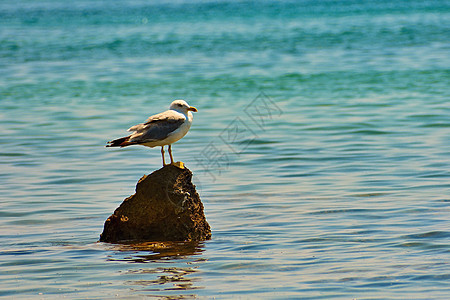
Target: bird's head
(182,106)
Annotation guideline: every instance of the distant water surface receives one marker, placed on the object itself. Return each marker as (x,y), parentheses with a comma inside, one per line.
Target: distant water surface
(320,149)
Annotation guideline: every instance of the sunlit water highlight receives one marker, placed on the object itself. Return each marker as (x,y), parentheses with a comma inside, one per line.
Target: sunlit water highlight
(340,191)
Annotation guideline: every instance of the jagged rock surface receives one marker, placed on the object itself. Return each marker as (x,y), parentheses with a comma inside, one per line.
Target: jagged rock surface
(165,207)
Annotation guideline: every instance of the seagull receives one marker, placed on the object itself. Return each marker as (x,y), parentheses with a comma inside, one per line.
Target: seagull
(160,130)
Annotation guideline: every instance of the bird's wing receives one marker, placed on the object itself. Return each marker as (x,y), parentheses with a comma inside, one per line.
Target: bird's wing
(157,127)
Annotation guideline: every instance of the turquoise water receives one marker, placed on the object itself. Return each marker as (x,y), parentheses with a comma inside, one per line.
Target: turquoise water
(320,149)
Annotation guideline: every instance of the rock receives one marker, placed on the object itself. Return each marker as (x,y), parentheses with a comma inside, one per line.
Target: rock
(165,207)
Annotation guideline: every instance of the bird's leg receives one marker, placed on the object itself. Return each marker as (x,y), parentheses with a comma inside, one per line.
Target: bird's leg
(170,154)
(162,153)
(178,164)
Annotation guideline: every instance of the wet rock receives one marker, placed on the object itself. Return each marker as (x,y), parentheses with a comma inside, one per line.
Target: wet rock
(165,207)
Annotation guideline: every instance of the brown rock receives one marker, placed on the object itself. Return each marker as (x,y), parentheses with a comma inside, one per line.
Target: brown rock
(165,207)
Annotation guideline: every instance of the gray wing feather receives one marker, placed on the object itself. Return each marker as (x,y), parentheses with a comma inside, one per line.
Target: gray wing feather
(157,127)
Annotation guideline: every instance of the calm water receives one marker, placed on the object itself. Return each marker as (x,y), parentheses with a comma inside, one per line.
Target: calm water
(339,190)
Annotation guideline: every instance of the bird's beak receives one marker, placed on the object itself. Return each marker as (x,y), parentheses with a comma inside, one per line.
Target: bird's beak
(191,108)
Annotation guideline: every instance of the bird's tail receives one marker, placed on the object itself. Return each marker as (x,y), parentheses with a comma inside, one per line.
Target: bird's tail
(121,142)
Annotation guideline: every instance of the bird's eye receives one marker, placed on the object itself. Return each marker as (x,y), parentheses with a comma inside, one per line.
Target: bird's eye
(180,105)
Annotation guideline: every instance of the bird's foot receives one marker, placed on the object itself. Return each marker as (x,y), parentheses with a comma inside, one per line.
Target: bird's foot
(178,164)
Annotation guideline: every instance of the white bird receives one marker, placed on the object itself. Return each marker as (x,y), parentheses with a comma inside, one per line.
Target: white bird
(160,130)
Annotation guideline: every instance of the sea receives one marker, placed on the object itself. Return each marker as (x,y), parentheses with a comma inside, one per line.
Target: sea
(320,149)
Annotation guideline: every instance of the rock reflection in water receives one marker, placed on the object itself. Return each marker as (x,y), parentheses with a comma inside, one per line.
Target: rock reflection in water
(172,278)
(158,250)
(172,267)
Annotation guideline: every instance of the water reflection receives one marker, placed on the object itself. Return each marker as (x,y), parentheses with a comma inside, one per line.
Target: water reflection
(164,267)
(158,251)
(172,278)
